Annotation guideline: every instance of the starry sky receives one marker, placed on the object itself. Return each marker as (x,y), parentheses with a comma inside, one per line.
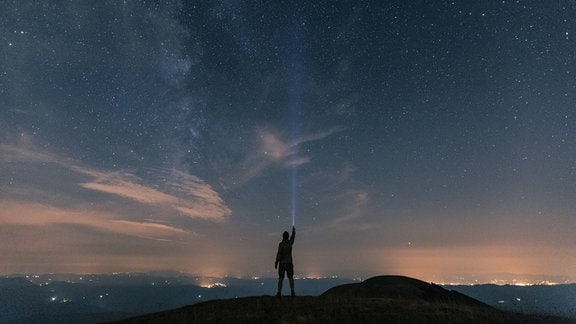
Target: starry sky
(434,139)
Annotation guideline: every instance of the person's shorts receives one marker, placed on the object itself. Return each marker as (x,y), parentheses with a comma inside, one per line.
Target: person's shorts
(287,268)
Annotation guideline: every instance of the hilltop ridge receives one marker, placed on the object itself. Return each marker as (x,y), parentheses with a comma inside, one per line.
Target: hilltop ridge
(400,287)
(379,299)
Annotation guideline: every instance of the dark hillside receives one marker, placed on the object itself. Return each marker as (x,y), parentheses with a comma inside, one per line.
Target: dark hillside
(390,299)
(399,287)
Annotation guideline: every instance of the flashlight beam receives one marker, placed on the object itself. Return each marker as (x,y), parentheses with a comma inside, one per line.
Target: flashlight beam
(293,200)
(295,100)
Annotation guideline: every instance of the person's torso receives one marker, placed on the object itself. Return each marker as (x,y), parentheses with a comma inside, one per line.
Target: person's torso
(285,252)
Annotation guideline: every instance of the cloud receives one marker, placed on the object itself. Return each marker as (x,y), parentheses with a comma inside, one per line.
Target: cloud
(278,149)
(189,194)
(176,192)
(37,214)
(145,229)
(344,202)
(273,149)
(357,200)
(318,136)
(345,210)
(24,151)
(126,186)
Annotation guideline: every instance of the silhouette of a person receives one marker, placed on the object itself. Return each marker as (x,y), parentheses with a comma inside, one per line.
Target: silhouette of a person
(284,261)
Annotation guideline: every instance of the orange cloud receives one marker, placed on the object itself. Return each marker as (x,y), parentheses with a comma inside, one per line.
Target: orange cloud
(36,214)
(180,192)
(193,197)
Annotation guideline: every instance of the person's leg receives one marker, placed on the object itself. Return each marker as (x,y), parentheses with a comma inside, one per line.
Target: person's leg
(281,271)
(279,293)
(290,271)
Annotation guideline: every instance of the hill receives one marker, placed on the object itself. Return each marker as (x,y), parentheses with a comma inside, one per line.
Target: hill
(380,299)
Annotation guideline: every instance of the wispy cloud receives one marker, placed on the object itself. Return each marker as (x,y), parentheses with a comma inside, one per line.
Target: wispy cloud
(125,185)
(275,149)
(177,193)
(25,151)
(357,201)
(318,136)
(344,201)
(188,194)
(37,214)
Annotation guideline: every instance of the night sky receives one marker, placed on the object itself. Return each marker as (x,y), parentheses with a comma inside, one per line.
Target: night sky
(434,139)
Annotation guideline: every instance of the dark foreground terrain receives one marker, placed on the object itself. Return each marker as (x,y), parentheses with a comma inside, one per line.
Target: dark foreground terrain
(390,299)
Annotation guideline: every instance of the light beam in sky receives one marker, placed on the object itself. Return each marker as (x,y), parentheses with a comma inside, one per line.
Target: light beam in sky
(293,202)
(295,102)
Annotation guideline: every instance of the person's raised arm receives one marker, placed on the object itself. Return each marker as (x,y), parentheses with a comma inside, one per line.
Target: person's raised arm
(293,235)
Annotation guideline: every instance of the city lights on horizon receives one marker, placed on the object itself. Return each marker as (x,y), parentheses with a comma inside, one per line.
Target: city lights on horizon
(221,282)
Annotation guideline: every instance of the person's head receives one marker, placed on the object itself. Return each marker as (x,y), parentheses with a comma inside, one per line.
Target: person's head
(285,236)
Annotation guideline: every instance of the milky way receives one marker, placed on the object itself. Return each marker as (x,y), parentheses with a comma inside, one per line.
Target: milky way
(433,138)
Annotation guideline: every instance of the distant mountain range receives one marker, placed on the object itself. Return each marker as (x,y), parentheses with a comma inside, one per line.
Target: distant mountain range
(72,298)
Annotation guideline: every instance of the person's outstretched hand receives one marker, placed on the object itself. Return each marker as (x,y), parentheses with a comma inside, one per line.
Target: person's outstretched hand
(293,228)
